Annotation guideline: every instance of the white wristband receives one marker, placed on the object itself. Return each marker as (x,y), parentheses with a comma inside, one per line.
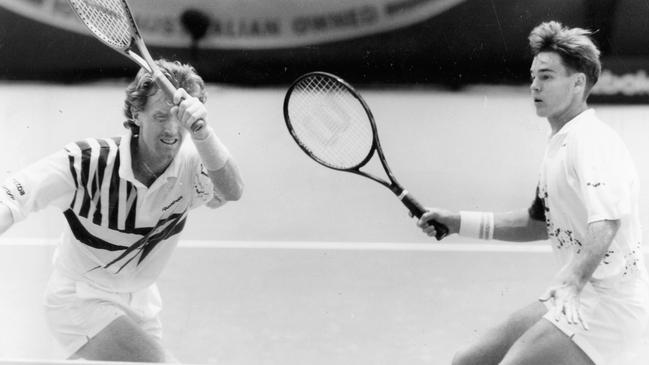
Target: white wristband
(477,224)
(213,152)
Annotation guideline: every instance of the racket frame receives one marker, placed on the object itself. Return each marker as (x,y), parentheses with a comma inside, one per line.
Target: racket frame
(144,60)
(393,184)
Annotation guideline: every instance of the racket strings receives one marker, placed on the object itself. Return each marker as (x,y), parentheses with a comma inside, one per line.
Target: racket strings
(330,122)
(107,19)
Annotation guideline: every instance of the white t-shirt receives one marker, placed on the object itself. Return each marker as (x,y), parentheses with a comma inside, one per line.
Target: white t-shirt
(588,175)
(119,233)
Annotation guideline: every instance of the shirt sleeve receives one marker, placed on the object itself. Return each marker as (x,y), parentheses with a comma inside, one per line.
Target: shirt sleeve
(47,182)
(204,192)
(604,175)
(537,210)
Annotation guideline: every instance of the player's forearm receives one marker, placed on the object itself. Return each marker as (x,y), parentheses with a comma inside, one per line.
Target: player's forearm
(581,267)
(517,226)
(227,181)
(6,218)
(221,168)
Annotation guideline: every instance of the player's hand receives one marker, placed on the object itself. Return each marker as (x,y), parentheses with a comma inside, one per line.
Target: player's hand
(188,109)
(564,302)
(445,217)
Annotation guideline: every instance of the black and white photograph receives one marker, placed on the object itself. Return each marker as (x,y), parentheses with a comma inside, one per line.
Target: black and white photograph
(309,182)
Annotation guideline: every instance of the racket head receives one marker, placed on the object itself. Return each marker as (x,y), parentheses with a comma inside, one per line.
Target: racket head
(330,121)
(112,22)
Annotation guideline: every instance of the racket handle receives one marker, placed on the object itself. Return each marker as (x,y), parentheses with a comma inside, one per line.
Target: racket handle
(441,230)
(169,89)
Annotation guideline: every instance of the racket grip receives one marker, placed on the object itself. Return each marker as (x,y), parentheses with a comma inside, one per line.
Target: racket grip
(441,230)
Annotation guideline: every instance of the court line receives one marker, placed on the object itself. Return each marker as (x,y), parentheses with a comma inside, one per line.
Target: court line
(324,245)
(530,247)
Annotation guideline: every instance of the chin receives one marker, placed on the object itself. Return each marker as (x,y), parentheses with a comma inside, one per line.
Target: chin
(541,112)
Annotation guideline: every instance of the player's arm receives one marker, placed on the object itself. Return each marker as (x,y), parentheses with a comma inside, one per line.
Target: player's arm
(221,168)
(46,182)
(516,226)
(6,218)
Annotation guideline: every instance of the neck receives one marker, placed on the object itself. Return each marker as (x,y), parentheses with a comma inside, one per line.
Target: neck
(558,121)
(146,166)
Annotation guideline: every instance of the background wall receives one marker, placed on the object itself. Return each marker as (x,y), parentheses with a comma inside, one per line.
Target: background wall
(381,42)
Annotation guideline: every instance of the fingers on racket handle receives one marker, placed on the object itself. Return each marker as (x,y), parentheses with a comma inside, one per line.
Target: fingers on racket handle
(441,230)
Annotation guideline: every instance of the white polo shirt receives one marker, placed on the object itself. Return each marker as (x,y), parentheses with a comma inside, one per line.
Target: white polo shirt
(119,233)
(588,175)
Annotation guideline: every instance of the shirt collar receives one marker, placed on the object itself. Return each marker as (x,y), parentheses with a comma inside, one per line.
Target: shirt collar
(578,119)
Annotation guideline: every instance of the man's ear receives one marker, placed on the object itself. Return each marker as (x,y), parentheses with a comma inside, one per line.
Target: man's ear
(580,80)
(135,120)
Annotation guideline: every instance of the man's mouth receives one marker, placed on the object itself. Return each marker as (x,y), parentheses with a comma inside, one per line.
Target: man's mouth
(169,140)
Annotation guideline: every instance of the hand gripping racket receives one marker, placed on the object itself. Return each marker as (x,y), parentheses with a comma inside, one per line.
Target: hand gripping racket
(334,126)
(112,22)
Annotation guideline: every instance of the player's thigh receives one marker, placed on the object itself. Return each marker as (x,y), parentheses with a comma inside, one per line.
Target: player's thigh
(122,340)
(545,344)
(492,346)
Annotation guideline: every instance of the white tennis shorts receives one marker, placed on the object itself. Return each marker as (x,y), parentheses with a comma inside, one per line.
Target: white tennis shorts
(76,311)
(617,316)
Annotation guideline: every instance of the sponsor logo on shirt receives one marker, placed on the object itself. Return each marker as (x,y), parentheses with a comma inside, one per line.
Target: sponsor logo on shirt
(19,187)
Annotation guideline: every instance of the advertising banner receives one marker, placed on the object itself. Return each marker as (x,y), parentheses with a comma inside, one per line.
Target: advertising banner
(249,24)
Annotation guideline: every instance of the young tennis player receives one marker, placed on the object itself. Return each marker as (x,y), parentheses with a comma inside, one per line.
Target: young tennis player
(587,206)
(126,201)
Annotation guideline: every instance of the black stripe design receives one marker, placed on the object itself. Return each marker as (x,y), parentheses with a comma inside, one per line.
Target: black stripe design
(174,224)
(73,172)
(131,191)
(89,190)
(113,195)
(86,154)
(83,236)
(104,150)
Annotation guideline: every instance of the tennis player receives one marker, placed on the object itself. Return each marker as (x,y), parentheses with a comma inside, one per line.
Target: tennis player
(125,201)
(586,204)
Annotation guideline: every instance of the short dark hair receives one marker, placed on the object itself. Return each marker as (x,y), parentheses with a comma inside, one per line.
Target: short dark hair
(574,45)
(143,86)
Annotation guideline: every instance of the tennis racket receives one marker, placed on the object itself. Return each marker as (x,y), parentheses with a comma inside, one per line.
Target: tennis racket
(333,125)
(112,22)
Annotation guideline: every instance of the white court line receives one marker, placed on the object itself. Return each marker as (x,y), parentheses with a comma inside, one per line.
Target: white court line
(312,245)
(309,245)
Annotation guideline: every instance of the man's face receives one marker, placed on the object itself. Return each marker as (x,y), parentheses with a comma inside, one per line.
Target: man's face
(160,132)
(553,86)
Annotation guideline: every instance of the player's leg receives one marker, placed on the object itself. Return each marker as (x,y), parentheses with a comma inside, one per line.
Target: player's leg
(123,340)
(492,346)
(96,325)
(544,343)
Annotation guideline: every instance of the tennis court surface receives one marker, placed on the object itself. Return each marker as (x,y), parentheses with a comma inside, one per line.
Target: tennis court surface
(305,302)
